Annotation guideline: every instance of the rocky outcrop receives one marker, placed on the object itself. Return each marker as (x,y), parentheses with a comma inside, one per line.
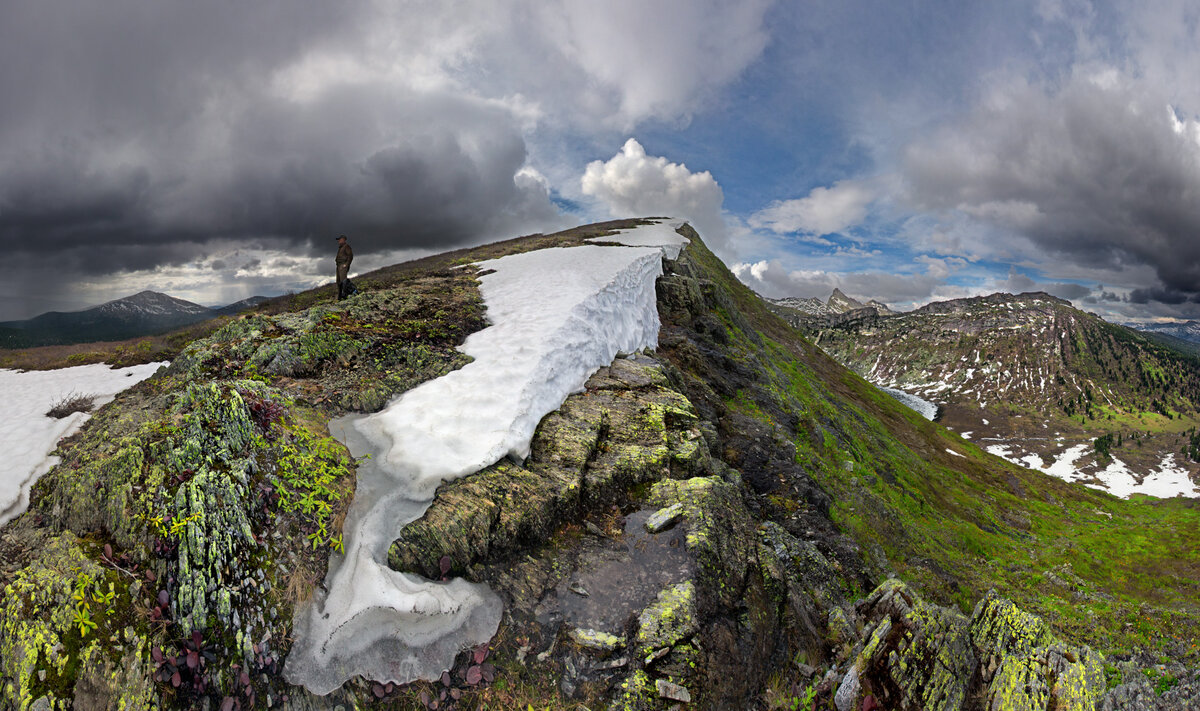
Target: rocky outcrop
(913,655)
(671,586)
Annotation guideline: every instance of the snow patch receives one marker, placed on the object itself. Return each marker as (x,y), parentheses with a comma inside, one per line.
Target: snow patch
(28,436)
(1168,481)
(1064,466)
(661,235)
(926,409)
(557,316)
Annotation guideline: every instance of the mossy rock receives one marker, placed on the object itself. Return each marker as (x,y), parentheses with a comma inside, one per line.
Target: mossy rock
(622,431)
(915,655)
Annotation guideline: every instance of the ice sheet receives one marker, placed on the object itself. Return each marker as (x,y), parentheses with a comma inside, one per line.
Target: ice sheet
(557,316)
(27,435)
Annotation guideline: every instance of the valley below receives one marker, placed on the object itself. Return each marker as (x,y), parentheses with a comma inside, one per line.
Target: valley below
(1042,385)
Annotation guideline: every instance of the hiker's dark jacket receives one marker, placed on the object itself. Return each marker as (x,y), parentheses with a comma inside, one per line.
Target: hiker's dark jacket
(345,255)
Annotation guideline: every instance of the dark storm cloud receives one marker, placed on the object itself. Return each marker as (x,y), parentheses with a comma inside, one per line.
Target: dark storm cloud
(1163,296)
(1093,173)
(134,133)
(1101,296)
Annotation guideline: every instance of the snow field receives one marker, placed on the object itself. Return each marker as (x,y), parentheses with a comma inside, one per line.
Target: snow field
(661,235)
(28,436)
(1167,481)
(924,408)
(557,315)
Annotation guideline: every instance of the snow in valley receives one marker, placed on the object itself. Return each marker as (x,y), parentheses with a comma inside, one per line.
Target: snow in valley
(28,436)
(926,409)
(556,315)
(1167,481)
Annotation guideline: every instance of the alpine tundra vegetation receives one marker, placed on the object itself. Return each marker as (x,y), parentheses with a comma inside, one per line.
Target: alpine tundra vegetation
(728,519)
(1041,383)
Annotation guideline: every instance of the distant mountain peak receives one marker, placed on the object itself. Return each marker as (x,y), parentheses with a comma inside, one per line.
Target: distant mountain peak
(154,302)
(833,310)
(840,303)
(1186,330)
(880,307)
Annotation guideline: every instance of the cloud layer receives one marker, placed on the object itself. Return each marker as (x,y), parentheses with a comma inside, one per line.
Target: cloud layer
(1096,173)
(140,135)
(824,211)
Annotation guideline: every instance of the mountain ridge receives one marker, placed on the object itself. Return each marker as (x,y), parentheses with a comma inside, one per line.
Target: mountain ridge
(142,314)
(725,519)
(1037,376)
(1185,330)
(836,307)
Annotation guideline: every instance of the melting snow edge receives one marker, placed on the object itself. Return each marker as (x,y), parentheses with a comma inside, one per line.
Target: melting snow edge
(557,316)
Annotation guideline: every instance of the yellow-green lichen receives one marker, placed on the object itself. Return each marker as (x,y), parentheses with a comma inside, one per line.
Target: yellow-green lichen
(668,621)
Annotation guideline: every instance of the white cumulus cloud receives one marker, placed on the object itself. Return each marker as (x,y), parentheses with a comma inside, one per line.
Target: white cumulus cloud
(824,211)
(634,184)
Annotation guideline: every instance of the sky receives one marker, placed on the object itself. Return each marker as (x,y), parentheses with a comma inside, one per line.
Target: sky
(903,151)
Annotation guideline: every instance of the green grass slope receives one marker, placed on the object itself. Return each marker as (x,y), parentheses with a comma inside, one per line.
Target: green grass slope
(940,512)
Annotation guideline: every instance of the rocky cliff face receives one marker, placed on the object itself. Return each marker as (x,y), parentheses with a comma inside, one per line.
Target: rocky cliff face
(722,523)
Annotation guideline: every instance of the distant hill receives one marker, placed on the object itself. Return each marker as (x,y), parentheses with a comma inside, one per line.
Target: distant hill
(1033,349)
(1182,345)
(142,314)
(1183,330)
(1034,376)
(239,306)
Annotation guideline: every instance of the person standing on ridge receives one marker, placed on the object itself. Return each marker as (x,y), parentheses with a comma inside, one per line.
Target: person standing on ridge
(345,255)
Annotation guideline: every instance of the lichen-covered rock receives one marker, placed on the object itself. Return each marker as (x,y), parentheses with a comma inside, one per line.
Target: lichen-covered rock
(621,432)
(595,640)
(1024,666)
(810,587)
(720,532)
(1157,687)
(636,693)
(915,655)
(670,620)
(181,504)
(664,518)
(55,617)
